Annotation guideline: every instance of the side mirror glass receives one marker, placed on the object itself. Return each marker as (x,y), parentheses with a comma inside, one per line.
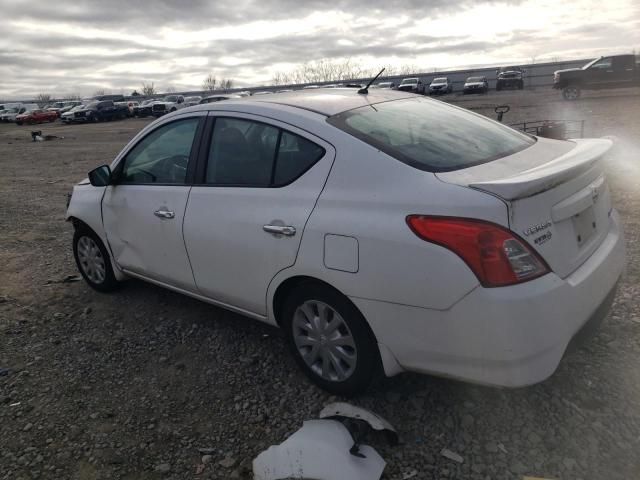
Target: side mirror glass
(101,176)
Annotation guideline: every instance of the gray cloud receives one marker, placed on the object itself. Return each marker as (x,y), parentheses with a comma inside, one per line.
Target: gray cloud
(33,60)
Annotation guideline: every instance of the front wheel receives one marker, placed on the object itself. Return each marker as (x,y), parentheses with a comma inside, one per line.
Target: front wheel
(330,339)
(93,260)
(571,93)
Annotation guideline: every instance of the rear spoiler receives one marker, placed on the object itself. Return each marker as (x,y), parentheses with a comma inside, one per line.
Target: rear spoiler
(536,180)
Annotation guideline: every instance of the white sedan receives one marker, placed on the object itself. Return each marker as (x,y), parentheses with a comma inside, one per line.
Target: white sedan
(379,230)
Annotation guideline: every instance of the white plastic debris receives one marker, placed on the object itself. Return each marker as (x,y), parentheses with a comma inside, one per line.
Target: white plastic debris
(319,450)
(342,409)
(445,452)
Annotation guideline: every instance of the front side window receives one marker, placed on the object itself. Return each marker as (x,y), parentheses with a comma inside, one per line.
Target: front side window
(431,135)
(254,154)
(604,64)
(162,156)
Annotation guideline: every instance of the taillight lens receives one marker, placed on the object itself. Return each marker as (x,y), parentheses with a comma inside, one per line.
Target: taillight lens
(497,256)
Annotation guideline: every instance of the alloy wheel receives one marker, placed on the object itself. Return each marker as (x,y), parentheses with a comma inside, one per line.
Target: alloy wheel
(324,341)
(91,260)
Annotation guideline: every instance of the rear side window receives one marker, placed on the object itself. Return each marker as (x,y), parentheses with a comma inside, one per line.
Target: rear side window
(431,135)
(245,153)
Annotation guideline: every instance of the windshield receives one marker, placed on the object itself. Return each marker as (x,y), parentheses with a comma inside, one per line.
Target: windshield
(591,63)
(439,80)
(431,135)
(170,98)
(409,81)
(475,79)
(91,105)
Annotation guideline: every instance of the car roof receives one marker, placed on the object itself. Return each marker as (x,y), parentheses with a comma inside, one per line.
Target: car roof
(325,101)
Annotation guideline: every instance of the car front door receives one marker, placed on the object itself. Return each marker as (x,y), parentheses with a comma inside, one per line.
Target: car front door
(259,183)
(601,74)
(144,209)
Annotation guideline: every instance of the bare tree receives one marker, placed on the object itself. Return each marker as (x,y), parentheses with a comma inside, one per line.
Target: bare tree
(99,92)
(71,96)
(209,84)
(43,98)
(148,89)
(170,89)
(226,84)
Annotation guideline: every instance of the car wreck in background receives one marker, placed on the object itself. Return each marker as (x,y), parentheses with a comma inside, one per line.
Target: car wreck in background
(617,71)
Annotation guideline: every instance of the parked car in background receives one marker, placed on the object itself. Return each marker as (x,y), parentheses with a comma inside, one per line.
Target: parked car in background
(129,104)
(168,104)
(509,77)
(218,98)
(263,92)
(440,85)
(113,98)
(144,108)
(67,117)
(616,71)
(475,85)
(100,111)
(10,114)
(68,105)
(308,87)
(413,85)
(244,93)
(36,116)
(191,101)
(385,85)
(55,107)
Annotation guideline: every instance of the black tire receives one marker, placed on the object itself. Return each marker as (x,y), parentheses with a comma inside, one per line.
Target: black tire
(18,123)
(521,85)
(367,363)
(571,93)
(498,87)
(109,283)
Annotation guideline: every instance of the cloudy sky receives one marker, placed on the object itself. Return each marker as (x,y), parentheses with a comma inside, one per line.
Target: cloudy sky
(77,47)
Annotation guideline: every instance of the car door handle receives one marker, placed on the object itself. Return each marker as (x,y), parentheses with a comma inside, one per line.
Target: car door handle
(164,213)
(287,230)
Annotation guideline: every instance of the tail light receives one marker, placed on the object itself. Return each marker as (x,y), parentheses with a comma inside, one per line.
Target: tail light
(496,255)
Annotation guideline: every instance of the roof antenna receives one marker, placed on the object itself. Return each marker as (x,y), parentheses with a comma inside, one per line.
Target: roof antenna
(365,90)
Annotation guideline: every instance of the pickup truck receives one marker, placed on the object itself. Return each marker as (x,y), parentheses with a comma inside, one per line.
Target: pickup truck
(509,77)
(413,85)
(615,71)
(98,111)
(170,103)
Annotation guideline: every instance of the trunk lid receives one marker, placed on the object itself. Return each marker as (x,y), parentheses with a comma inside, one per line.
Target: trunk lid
(557,196)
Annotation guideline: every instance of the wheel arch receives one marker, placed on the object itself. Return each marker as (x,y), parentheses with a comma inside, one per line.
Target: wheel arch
(78,224)
(386,358)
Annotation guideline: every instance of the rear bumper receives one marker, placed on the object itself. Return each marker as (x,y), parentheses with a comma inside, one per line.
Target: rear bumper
(511,336)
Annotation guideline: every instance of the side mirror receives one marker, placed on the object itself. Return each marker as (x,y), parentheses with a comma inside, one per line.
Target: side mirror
(101,176)
(180,100)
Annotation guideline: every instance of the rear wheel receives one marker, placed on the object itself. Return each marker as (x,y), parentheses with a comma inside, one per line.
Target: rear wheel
(93,260)
(571,93)
(330,339)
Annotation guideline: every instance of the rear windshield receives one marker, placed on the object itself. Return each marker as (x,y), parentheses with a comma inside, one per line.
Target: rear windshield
(431,135)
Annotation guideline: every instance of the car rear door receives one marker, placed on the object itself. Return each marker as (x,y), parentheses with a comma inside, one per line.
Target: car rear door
(624,70)
(258,184)
(144,210)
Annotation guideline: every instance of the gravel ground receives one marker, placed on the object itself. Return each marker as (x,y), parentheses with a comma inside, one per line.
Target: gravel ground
(141,383)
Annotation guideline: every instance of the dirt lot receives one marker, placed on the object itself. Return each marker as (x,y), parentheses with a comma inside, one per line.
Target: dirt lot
(131,385)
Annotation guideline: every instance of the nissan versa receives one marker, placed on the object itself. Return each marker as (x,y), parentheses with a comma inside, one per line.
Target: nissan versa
(379,230)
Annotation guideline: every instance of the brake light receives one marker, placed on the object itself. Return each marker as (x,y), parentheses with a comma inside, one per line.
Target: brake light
(496,255)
